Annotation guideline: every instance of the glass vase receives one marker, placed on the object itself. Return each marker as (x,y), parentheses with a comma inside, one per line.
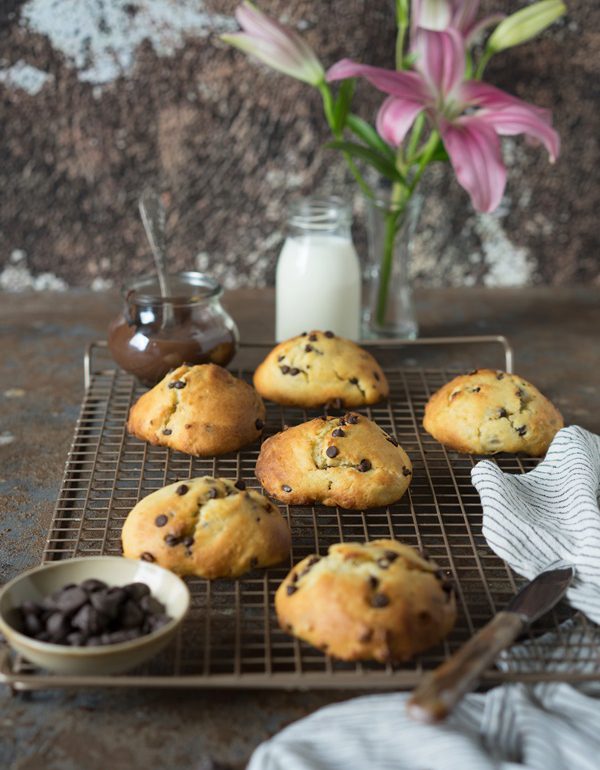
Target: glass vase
(388,309)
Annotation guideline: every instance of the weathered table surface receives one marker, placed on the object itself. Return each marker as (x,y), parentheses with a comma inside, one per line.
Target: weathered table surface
(555,334)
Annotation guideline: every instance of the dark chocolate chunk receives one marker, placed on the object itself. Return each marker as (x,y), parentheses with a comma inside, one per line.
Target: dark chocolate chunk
(136,590)
(146,556)
(502,412)
(332,451)
(151,605)
(91,584)
(294,371)
(89,621)
(284,369)
(521,430)
(240,484)
(475,390)
(391,555)
(71,600)
(280,358)
(167,432)
(109,603)
(161,520)
(291,590)
(188,541)
(499,375)
(32,624)
(259,424)
(406,471)
(379,600)
(338,433)
(329,334)
(304,334)
(182,489)
(286,488)
(131,614)
(373,582)
(76,639)
(352,419)
(172,540)
(308,348)
(353,381)
(313,337)
(179,384)
(364,466)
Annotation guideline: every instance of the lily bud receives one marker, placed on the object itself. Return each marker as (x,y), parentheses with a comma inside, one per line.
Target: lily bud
(275,45)
(525,24)
(431,14)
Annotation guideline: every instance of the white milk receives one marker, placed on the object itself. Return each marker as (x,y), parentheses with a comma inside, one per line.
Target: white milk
(318,286)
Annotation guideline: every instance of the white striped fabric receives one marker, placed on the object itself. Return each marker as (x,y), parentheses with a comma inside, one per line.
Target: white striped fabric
(531,521)
(550,514)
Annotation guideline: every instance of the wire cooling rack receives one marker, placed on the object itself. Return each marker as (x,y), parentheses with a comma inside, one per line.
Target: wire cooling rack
(231,637)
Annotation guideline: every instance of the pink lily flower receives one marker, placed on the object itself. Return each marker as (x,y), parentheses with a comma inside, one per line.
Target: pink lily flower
(278,46)
(439,15)
(469,115)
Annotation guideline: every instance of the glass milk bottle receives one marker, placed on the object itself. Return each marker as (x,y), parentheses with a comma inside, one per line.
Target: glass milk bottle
(318,284)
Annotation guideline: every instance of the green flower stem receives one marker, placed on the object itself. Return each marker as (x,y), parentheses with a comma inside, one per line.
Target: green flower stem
(483,62)
(399,199)
(325,92)
(402,24)
(427,153)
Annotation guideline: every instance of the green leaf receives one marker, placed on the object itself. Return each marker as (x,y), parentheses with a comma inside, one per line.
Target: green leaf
(370,137)
(342,103)
(440,154)
(372,157)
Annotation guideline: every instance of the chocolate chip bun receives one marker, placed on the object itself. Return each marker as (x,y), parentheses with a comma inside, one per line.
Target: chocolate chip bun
(488,411)
(345,461)
(200,410)
(319,368)
(374,601)
(212,528)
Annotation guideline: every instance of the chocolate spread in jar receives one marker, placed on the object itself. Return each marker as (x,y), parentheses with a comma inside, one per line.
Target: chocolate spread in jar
(144,345)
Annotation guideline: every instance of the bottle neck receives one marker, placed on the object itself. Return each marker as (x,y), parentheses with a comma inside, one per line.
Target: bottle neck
(320,217)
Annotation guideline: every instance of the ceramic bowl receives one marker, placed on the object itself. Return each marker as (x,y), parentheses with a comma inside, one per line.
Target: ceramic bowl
(37,583)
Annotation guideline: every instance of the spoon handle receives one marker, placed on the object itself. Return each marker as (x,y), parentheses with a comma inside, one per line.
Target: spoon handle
(153,218)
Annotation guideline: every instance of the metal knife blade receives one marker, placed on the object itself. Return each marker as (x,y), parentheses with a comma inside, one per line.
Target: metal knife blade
(441,689)
(537,597)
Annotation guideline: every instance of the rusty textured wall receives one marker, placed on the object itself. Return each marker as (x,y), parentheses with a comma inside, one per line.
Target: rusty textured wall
(100,97)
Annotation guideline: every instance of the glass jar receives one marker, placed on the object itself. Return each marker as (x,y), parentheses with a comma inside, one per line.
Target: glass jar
(155,334)
(318,272)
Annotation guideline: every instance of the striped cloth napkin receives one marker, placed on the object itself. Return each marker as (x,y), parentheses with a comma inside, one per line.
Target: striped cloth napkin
(548,515)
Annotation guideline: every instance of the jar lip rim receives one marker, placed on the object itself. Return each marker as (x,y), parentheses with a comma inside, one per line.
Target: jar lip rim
(206,287)
(319,211)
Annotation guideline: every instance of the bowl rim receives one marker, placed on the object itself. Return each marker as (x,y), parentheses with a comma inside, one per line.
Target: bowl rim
(99,650)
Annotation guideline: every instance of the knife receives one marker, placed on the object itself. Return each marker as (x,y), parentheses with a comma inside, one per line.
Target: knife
(441,689)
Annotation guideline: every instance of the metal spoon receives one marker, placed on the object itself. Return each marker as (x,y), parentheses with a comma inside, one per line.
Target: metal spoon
(153,218)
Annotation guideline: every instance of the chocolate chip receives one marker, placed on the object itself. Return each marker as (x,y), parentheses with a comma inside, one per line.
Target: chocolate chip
(212,493)
(447,586)
(284,369)
(379,600)
(146,556)
(364,466)
(502,412)
(332,451)
(373,582)
(391,555)
(294,577)
(259,424)
(182,489)
(406,471)
(377,377)
(239,484)
(338,433)
(179,384)
(172,540)
(522,430)
(188,541)
(291,590)
(473,371)
(294,371)
(313,337)
(353,381)
(329,334)
(313,560)
(499,375)
(475,390)
(280,358)
(167,432)
(161,520)
(286,488)
(308,348)
(351,419)
(304,334)
(392,440)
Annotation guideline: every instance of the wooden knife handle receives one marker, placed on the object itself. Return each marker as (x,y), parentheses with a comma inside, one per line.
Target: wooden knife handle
(441,689)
